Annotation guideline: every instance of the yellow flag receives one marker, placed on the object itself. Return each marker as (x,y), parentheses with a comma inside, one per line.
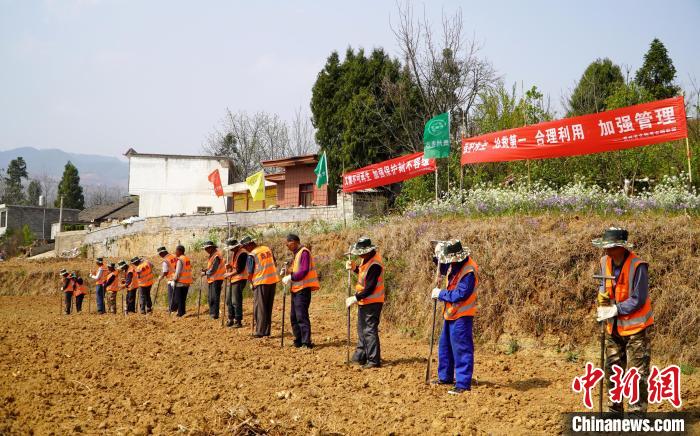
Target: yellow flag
(256,186)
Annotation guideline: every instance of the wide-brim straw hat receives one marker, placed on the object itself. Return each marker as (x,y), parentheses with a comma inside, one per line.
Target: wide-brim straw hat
(362,246)
(209,244)
(613,237)
(453,251)
(122,264)
(135,259)
(232,244)
(247,240)
(162,250)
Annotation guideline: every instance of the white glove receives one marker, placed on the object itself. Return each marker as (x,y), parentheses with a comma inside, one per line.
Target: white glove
(350,301)
(435,294)
(171,283)
(606,312)
(350,265)
(286,279)
(438,248)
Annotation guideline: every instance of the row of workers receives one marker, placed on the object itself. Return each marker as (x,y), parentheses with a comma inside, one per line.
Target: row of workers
(624,303)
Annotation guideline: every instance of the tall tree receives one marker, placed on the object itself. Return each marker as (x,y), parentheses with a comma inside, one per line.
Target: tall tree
(354,119)
(33,192)
(446,68)
(598,82)
(69,188)
(16,171)
(657,72)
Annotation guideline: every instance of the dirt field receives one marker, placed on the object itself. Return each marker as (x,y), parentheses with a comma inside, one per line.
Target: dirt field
(141,374)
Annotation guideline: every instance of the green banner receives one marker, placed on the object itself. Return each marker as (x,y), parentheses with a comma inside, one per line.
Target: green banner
(321,171)
(436,137)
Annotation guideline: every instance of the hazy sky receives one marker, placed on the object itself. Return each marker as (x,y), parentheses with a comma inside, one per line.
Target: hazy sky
(97,76)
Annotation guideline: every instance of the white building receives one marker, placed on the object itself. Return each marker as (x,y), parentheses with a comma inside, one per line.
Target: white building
(176,184)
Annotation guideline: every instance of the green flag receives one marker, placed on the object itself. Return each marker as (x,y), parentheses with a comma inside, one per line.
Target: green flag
(436,137)
(321,171)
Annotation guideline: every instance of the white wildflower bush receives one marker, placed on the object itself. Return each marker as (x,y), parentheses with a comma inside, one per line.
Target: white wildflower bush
(669,195)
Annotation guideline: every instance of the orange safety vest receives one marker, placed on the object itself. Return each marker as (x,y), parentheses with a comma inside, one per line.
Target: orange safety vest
(453,311)
(242,275)
(134,278)
(103,277)
(186,273)
(310,280)
(220,271)
(80,289)
(171,259)
(634,322)
(265,271)
(69,286)
(145,273)
(114,286)
(378,295)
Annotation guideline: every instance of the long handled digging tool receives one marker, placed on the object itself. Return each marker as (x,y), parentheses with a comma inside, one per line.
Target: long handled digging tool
(155,298)
(432,331)
(283,273)
(605,279)
(60,301)
(199,297)
(89,298)
(347,316)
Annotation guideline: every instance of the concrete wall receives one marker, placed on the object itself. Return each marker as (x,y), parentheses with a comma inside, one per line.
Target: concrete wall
(18,216)
(173,186)
(143,237)
(69,240)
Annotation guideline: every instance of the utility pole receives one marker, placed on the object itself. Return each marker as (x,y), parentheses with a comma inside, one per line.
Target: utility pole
(60,216)
(42,203)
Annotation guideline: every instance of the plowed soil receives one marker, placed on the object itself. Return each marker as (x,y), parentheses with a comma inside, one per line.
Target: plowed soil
(113,374)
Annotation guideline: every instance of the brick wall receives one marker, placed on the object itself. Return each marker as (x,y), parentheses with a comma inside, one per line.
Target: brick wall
(298,175)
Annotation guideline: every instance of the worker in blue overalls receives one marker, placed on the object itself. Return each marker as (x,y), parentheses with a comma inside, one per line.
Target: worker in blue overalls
(456,348)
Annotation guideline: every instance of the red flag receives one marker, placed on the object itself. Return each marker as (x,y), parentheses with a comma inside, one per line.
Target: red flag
(216,180)
(388,172)
(617,129)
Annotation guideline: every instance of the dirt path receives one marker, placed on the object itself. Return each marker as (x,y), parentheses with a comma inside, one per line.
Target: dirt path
(116,375)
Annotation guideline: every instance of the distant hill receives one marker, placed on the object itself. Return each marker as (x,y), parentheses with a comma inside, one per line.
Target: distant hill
(93,169)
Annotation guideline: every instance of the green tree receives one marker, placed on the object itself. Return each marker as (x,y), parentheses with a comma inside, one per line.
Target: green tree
(355,121)
(657,72)
(597,83)
(33,192)
(16,171)
(69,188)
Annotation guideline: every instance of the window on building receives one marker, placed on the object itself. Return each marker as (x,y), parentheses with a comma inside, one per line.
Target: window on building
(203,209)
(306,194)
(3,219)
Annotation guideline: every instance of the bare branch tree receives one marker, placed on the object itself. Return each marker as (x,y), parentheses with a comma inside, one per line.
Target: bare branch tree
(302,134)
(248,140)
(447,72)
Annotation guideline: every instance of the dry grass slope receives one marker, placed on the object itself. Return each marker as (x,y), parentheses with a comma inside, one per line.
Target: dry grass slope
(535,274)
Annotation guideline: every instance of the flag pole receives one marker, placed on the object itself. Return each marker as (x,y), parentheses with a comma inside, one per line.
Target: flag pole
(436,180)
(688,155)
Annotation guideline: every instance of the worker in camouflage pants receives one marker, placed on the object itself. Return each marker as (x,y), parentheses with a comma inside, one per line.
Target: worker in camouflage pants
(625,307)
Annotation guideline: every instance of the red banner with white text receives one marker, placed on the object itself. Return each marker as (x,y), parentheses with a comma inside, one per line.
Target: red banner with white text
(388,172)
(617,129)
